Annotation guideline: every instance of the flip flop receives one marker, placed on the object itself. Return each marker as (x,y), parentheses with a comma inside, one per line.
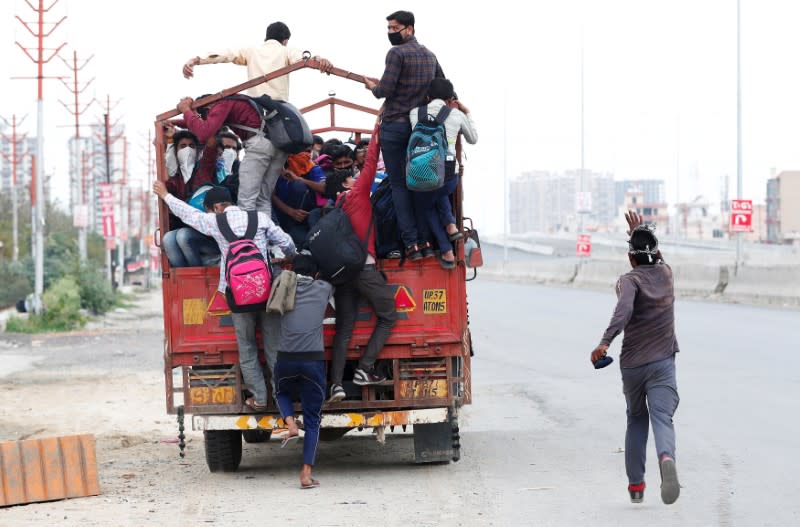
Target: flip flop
(314,484)
(455,236)
(289,439)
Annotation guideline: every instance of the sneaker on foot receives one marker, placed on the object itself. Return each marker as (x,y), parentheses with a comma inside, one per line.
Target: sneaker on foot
(337,393)
(363,377)
(670,488)
(637,492)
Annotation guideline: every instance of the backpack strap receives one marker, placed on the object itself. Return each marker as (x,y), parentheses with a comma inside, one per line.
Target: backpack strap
(365,241)
(252,225)
(225,228)
(422,113)
(444,112)
(227,232)
(256,107)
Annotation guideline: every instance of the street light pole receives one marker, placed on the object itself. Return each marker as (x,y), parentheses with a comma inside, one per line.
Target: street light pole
(738,125)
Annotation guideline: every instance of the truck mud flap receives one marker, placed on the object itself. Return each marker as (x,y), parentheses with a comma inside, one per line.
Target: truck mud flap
(433,443)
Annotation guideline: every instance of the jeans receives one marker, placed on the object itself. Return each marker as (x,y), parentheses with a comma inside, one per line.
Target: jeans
(297,231)
(258,173)
(371,284)
(651,395)
(308,378)
(434,212)
(244,325)
(394,142)
(186,247)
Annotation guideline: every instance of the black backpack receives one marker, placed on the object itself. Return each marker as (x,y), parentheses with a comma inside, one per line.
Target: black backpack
(387,234)
(282,123)
(337,250)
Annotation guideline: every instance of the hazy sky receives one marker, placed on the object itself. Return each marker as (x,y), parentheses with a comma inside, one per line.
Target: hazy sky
(659,79)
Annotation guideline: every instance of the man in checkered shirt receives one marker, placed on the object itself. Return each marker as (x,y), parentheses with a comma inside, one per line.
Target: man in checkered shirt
(218,201)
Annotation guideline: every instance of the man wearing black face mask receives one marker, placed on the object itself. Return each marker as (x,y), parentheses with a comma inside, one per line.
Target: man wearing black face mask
(410,67)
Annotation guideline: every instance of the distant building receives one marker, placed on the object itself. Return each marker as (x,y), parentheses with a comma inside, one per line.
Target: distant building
(773,207)
(654,213)
(697,220)
(783,200)
(652,190)
(25,146)
(542,201)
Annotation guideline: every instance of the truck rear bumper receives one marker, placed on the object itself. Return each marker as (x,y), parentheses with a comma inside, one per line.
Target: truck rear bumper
(329,420)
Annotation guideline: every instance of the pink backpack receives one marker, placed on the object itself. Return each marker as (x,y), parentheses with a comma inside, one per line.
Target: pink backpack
(247,272)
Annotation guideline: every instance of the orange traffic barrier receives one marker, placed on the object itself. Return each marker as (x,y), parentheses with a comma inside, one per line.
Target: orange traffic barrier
(48,469)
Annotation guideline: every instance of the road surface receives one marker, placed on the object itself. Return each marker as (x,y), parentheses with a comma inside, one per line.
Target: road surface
(541,445)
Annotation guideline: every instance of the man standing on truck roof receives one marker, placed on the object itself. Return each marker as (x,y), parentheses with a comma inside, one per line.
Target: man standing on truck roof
(261,60)
(410,67)
(370,282)
(262,164)
(218,201)
(645,311)
(301,360)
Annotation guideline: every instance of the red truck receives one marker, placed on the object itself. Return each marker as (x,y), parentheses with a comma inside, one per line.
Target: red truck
(428,353)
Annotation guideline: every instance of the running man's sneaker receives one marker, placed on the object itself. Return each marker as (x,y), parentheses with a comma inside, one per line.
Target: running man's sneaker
(337,393)
(365,378)
(637,492)
(670,488)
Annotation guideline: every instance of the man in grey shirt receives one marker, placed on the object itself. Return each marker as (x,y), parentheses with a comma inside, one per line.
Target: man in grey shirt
(301,360)
(645,311)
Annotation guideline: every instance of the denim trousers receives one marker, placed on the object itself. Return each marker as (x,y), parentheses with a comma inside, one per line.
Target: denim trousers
(394,142)
(186,247)
(651,396)
(306,378)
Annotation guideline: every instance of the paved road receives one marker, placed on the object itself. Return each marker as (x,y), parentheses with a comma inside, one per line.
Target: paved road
(559,424)
(542,443)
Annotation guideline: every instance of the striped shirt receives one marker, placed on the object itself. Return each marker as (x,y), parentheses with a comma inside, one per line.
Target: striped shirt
(410,68)
(206,223)
(645,311)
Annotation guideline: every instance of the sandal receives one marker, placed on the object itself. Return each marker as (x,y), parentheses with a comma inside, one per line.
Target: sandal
(426,249)
(314,484)
(288,439)
(253,405)
(413,253)
(455,236)
(446,264)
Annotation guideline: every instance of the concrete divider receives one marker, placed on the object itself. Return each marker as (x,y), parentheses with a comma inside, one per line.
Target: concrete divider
(770,285)
(550,271)
(697,279)
(601,273)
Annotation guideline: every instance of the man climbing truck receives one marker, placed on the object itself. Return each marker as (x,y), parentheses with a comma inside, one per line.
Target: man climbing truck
(426,358)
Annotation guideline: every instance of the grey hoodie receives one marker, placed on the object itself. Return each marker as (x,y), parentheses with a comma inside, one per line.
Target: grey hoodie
(301,328)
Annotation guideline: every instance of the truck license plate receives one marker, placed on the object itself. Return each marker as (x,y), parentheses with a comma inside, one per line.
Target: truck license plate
(423,388)
(208,395)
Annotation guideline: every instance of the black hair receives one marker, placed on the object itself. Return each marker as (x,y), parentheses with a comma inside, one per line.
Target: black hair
(404,17)
(183,134)
(318,140)
(440,88)
(278,31)
(230,135)
(643,246)
(334,182)
(335,151)
(304,264)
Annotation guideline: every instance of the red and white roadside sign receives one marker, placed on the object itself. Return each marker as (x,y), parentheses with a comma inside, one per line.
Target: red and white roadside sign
(741,215)
(106,201)
(583,247)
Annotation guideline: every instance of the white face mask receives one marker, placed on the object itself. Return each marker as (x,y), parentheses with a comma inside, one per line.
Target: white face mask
(186,160)
(229,155)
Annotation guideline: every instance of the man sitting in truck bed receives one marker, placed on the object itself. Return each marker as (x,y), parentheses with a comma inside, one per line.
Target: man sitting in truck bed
(218,201)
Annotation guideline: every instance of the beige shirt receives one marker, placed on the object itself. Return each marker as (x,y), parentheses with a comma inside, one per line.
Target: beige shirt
(261,60)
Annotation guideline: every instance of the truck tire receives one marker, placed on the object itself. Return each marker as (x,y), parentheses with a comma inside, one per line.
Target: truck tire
(223,450)
(256,435)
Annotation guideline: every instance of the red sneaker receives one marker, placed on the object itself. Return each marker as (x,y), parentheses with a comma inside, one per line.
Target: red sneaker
(637,492)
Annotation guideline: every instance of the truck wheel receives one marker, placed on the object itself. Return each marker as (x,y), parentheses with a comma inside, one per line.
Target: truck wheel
(256,435)
(332,434)
(223,450)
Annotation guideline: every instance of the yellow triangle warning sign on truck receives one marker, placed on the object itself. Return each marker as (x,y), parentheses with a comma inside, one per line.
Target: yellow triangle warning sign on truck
(403,301)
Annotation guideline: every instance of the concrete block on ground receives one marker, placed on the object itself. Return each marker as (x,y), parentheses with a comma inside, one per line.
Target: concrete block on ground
(698,279)
(601,273)
(48,469)
(549,271)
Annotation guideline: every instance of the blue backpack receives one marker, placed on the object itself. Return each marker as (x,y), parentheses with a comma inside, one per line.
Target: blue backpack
(427,151)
